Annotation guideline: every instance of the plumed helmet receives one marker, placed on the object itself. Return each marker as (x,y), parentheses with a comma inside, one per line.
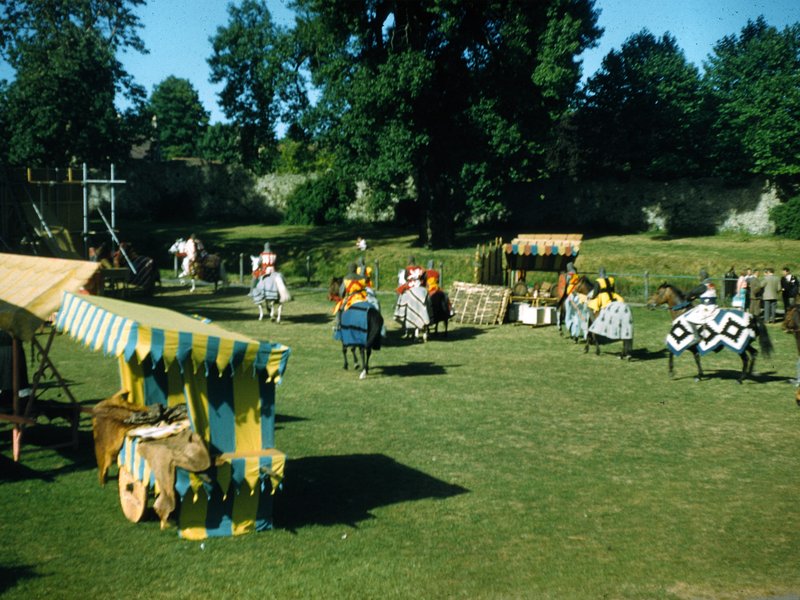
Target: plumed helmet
(703,275)
(266,246)
(601,272)
(570,267)
(430,264)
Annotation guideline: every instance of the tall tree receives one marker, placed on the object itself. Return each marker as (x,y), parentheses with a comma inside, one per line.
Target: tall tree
(250,58)
(180,117)
(457,97)
(753,82)
(643,111)
(60,107)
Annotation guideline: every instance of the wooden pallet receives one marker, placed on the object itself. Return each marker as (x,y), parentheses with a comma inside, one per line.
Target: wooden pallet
(479,304)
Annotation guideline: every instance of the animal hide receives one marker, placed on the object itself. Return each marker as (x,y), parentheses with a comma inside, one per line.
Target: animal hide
(271,287)
(110,423)
(187,450)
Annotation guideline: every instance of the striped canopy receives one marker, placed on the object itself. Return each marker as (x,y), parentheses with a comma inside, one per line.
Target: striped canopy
(31,288)
(125,329)
(542,252)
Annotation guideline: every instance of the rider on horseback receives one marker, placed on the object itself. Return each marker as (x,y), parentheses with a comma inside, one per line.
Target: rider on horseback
(352,290)
(603,293)
(265,266)
(706,293)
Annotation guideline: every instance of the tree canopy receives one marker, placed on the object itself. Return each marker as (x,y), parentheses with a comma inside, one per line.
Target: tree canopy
(252,60)
(60,107)
(753,84)
(642,112)
(181,120)
(451,99)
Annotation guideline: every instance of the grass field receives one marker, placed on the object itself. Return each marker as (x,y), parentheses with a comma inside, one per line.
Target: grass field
(501,462)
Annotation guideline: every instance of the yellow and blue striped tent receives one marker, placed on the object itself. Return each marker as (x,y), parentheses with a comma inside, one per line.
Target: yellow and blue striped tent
(227,381)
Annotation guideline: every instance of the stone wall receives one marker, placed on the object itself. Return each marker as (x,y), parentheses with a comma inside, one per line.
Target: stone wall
(702,206)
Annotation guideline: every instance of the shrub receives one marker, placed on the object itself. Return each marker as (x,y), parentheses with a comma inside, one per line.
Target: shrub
(320,201)
(786,217)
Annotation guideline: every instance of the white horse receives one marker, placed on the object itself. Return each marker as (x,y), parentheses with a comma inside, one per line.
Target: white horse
(208,267)
(270,291)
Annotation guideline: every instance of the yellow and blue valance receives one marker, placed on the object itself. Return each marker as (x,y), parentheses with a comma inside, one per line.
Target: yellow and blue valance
(125,329)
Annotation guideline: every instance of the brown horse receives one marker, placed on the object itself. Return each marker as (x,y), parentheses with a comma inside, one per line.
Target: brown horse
(703,338)
(676,300)
(791,323)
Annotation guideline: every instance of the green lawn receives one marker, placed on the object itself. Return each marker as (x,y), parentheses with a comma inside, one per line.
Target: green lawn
(502,462)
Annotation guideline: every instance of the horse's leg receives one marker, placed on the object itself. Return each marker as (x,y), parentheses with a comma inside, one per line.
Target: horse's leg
(671,370)
(425,333)
(364,369)
(192,290)
(260,311)
(696,355)
(744,358)
(355,358)
(446,325)
(278,318)
(344,353)
(753,353)
(587,343)
(272,310)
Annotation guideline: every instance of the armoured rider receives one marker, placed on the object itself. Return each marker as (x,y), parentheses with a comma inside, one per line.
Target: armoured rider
(706,293)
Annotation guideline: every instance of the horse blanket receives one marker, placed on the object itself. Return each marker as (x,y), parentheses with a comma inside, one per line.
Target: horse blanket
(733,329)
(206,268)
(614,322)
(411,309)
(146,274)
(271,287)
(360,325)
(439,308)
(576,316)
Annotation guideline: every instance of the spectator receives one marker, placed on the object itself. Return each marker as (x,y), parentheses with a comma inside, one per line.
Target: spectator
(755,288)
(771,290)
(789,289)
(729,285)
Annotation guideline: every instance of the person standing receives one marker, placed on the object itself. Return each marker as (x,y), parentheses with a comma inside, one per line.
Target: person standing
(789,289)
(729,285)
(742,294)
(771,291)
(755,289)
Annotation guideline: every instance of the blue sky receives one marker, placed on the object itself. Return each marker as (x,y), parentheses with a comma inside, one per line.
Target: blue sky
(177,32)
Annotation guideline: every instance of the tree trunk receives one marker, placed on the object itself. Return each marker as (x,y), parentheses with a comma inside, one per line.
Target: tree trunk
(436,227)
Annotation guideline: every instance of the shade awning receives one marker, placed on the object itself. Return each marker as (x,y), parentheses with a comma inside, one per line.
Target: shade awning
(542,252)
(120,328)
(31,288)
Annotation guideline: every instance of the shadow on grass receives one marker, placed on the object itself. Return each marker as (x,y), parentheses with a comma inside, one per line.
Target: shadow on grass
(12,574)
(343,490)
(643,354)
(733,375)
(308,318)
(56,437)
(412,369)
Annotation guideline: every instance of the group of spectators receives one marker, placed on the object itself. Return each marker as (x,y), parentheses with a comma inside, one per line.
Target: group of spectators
(755,292)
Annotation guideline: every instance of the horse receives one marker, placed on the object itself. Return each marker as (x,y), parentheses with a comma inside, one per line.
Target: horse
(411,311)
(572,310)
(270,290)
(723,328)
(362,329)
(207,267)
(439,310)
(146,275)
(791,324)
(614,321)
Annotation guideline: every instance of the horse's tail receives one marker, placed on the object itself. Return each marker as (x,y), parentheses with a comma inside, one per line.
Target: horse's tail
(763,337)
